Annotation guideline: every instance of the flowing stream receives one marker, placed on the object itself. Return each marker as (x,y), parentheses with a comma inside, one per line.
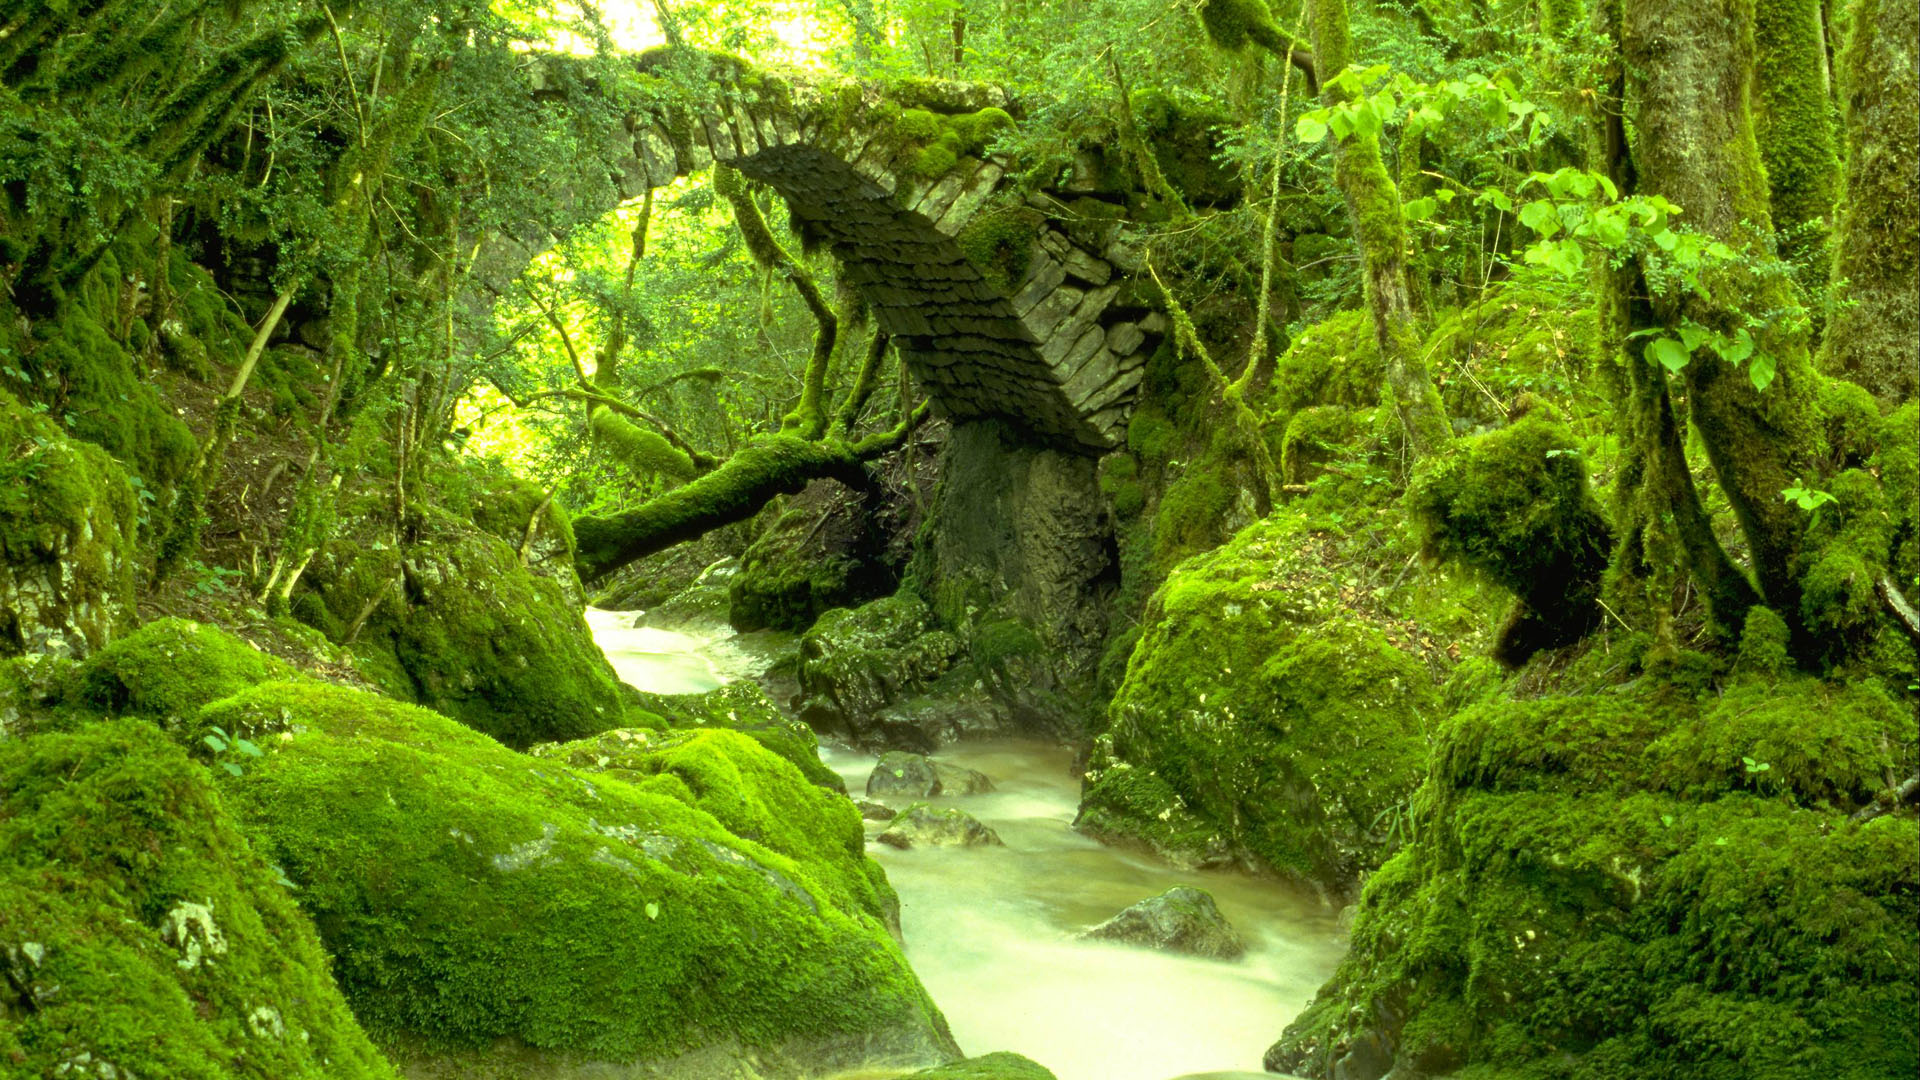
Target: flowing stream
(990,930)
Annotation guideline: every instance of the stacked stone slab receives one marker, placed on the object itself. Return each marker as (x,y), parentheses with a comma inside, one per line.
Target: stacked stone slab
(1058,355)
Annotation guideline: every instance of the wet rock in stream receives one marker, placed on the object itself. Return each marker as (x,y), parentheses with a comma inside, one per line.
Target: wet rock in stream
(873,811)
(918,776)
(921,825)
(1183,920)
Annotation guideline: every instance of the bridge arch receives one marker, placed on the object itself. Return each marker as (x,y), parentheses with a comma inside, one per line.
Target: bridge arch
(1057,351)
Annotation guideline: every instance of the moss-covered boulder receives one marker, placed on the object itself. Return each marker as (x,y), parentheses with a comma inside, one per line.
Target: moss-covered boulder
(511,916)
(755,794)
(169,668)
(1515,504)
(66,539)
(141,935)
(1641,883)
(1273,714)
(744,707)
(856,663)
(459,623)
(823,551)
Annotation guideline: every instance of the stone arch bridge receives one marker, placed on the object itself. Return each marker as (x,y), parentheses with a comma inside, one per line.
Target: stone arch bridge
(890,178)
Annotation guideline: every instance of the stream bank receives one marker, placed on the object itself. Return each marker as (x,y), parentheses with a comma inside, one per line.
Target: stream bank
(990,931)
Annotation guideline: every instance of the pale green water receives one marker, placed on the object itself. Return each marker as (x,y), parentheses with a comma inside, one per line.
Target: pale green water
(989,930)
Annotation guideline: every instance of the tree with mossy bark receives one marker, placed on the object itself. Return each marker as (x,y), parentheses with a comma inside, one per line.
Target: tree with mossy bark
(825,434)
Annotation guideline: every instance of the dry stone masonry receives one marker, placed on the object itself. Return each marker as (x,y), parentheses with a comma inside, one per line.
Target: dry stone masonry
(1058,353)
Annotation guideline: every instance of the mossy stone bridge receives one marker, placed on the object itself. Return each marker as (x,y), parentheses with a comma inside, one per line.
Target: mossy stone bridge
(1038,328)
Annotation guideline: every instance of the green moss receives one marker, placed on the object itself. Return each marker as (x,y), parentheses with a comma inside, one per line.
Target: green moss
(1231,24)
(645,451)
(818,554)
(476,634)
(140,932)
(1000,243)
(1793,128)
(1315,436)
(1334,362)
(856,662)
(1604,886)
(744,707)
(1196,511)
(67,538)
(1120,482)
(474,895)
(1763,642)
(169,668)
(756,794)
(933,143)
(1515,505)
(1266,709)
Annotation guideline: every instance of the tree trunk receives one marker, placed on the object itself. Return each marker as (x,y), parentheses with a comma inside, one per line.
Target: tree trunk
(1871,339)
(1796,141)
(1689,64)
(769,466)
(1373,205)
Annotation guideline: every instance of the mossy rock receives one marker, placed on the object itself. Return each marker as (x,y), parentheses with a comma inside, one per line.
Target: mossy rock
(821,552)
(755,794)
(1641,883)
(1265,718)
(465,628)
(856,663)
(745,708)
(142,935)
(1334,362)
(67,539)
(1515,505)
(513,916)
(169,668)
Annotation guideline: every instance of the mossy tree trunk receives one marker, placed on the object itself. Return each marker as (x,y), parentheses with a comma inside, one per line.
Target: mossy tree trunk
(1373,206)
(1689,65)
(1870,335)
(1796,139)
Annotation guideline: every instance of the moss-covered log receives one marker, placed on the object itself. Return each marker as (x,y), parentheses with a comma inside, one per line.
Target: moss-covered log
(769,466)
(1872,329)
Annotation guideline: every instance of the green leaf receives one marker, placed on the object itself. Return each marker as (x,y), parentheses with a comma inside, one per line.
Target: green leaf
(217,745)
(1444,195)
(247,748)
(1540,216)
(1668,353)
(1736,349)
(232,768)
(1310,128)
(1664,239)
(1341,123)
(1568,259)
(1419,209)
(1693,335)
(653,910)
(1761,370)
(1496,197)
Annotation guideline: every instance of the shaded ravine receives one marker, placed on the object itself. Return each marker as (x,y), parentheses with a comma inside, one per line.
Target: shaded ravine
(989,930)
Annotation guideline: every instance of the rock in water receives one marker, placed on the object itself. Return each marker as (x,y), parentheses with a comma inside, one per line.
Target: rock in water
(873,811)
(921,825)
(1183,919)
(900,773)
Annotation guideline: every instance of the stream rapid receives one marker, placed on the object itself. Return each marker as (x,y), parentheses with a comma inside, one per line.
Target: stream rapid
(990,931)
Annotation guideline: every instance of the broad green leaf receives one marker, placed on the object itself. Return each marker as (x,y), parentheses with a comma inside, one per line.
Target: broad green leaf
(247,748)
(1693,335)
(1665,239)
(1569,259)
(1540,216)
(1668,353)
(1761,370)
(1736,349)
(1444,195)
(1310,128)
(232,769)
(214,744)
(1419,209)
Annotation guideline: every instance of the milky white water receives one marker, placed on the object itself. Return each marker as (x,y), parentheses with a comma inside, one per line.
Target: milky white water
(989,930)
